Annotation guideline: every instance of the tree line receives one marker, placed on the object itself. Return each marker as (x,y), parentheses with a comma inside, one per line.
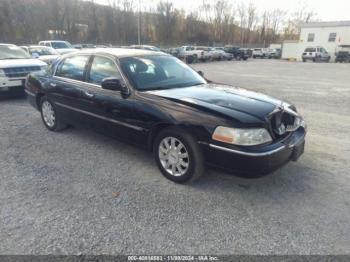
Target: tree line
(214,22)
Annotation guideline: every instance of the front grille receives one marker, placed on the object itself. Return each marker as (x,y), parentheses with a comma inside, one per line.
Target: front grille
(17,72)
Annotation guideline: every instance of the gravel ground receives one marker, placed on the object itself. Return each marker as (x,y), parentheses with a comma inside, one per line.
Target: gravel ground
(77,192)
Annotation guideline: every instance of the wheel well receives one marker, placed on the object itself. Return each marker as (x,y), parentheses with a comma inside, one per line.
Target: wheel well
(160,127)
(38,99)
(154,132)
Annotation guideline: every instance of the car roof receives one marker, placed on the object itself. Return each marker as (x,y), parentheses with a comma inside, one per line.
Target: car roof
(119,52)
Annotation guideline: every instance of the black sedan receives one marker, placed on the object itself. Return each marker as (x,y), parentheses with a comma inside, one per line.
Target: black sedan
(157,102)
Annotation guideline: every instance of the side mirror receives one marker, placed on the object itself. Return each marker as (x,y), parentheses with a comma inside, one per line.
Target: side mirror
(201,73)
(35,55)
(115,84)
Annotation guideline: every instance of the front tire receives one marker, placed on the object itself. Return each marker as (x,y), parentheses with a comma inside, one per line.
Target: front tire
(178,155)
(49,115)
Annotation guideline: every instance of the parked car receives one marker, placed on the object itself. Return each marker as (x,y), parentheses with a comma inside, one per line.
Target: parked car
(247,51)
(275,53)
(81,46)
(15,65)
(223,54)
(77,46)
(260,52)
(157,102)
(206,56)
(44,53)
(237,52)
(342,54)
(62,47)
(145,47)
(174,51)
(191,54)
(316,54)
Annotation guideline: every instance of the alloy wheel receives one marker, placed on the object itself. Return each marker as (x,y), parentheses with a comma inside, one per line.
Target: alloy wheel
(173,156)
(48,114)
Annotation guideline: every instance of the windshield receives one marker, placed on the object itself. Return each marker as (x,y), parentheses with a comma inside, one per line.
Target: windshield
(12,52)
(159,72)
(43,51)
(61,45)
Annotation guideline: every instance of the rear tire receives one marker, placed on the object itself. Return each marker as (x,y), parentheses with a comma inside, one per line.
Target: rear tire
(178,155)
(49,115)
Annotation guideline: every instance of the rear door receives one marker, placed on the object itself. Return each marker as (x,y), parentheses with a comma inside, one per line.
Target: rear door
(65,86)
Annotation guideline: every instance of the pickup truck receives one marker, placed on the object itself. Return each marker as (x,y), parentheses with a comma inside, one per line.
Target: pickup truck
(238,53)
(342,54)
(192,53)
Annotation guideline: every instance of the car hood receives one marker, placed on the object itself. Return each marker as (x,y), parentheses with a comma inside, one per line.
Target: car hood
(222,98)
(13,63)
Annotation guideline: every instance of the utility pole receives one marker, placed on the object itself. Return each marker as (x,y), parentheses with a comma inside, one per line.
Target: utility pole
(139,24)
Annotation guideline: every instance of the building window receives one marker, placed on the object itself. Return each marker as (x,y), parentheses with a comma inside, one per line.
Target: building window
(311,37)
(332,37)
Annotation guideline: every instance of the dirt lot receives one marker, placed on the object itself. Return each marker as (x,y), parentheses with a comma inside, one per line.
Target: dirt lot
(78,192)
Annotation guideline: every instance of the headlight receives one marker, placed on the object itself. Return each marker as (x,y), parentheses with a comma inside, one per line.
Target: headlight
(242,136)
(2,73)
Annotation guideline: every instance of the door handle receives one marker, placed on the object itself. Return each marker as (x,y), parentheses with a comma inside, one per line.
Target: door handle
(88,94)
(53,84)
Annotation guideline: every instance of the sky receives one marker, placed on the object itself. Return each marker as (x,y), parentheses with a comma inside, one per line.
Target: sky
(327,10)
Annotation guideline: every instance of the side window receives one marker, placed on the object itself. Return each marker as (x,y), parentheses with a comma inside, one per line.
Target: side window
(47,44)
(311,37)
(101,68)
(73,67)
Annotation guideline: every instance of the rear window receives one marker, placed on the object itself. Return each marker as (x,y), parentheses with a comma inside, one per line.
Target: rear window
(310,49)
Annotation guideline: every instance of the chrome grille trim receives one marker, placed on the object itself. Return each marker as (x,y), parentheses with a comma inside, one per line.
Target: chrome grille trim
(17,72)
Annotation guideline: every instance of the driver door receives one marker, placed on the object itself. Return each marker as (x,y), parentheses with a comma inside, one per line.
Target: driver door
(109,112)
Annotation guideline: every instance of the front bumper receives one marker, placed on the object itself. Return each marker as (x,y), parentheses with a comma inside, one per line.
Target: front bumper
(257,162)
(11,87)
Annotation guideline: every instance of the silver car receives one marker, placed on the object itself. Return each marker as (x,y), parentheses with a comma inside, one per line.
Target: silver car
(316,54)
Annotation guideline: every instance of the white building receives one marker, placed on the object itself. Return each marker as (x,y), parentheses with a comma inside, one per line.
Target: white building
(326,34)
